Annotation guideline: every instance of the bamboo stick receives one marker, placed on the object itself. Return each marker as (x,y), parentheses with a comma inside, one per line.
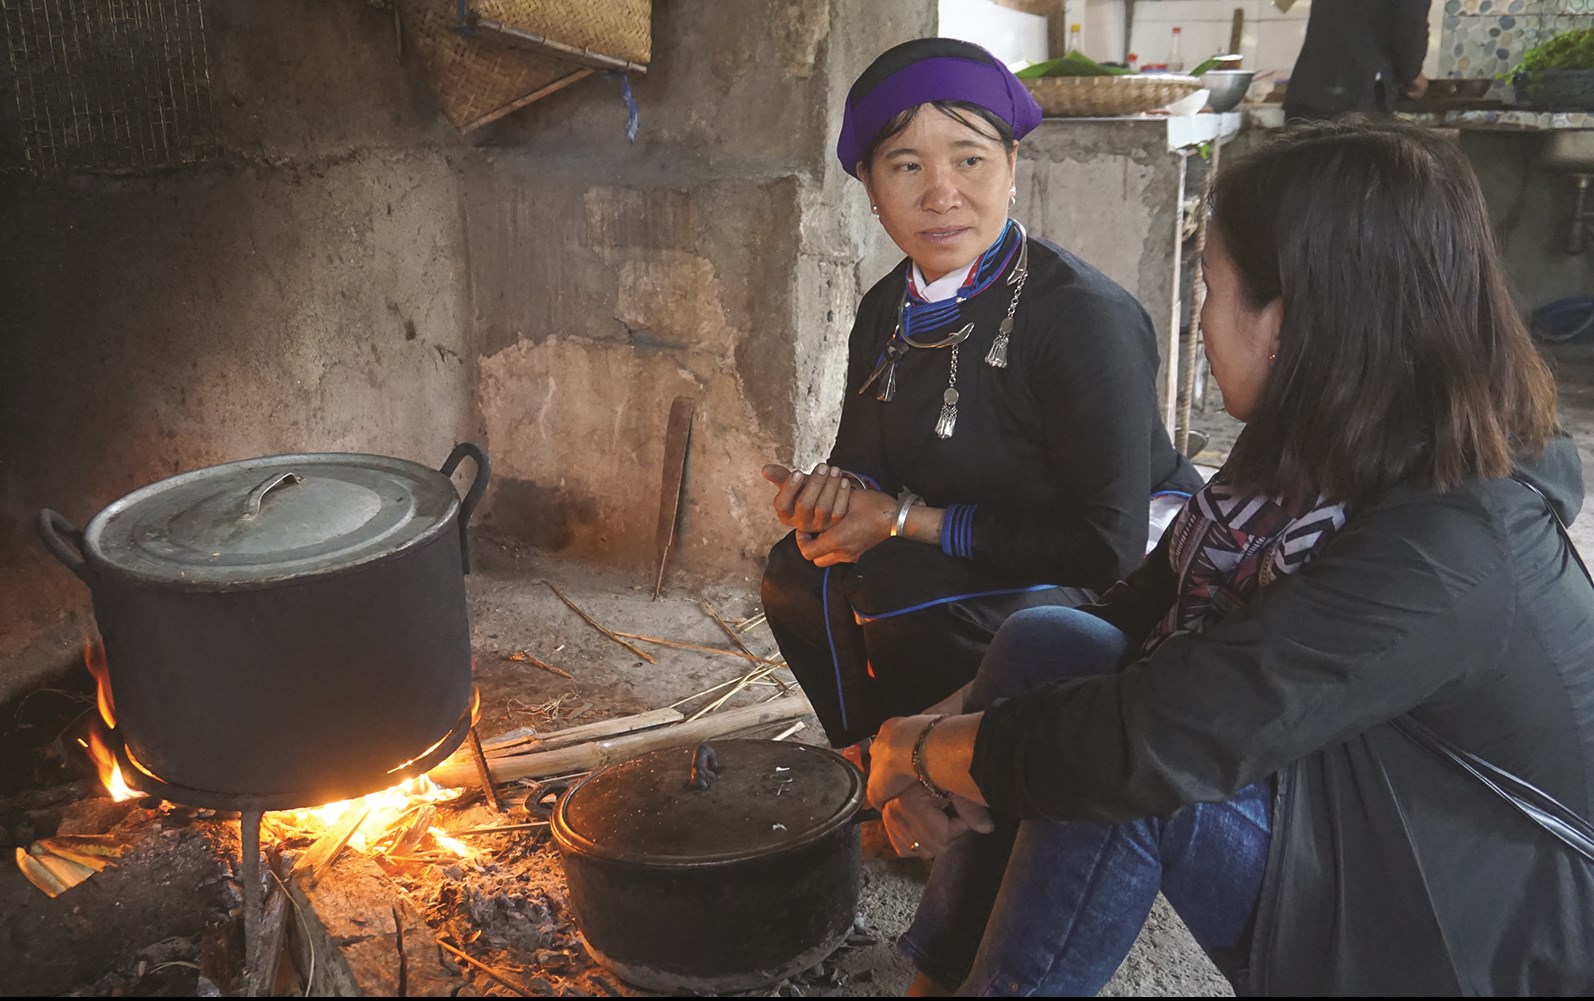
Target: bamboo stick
(519,741)
(699,647)
(595,754)
(605,630)
(733,634)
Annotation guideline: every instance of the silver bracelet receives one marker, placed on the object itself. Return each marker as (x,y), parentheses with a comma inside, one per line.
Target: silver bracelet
(904,505)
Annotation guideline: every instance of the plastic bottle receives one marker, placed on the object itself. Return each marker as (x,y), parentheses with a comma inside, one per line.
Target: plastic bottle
(1133,62)
(1076,35)
(1175,56)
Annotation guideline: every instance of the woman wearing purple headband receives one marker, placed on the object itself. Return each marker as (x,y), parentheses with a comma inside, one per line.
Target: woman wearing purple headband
(999,440)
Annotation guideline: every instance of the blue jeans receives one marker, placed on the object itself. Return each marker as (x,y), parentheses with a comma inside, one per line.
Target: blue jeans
(1052,909)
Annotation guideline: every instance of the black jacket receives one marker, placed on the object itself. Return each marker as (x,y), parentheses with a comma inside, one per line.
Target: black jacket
(1358,55)
(1390,870)
(1060,451)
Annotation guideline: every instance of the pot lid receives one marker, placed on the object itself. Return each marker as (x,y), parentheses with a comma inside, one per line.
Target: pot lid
(272,519)
(766,797)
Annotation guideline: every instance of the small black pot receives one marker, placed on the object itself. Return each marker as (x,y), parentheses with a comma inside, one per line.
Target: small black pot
(283,631)
(737,880)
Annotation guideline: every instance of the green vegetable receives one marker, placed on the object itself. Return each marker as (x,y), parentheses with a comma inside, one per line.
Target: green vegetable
(1569,50)
(1214,63)
(1073,64)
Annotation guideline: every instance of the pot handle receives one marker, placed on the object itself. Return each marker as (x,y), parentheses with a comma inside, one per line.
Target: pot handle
(257,496)
(473,496)
(65,543)
(705,767)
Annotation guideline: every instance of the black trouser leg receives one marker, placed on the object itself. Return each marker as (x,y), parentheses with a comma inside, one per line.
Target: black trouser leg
(890,635)
(928,618)
(822,643)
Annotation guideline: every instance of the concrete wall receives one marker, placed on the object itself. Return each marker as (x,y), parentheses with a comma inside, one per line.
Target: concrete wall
(353,274)
(1110,191)
(1531,209)
(718,258)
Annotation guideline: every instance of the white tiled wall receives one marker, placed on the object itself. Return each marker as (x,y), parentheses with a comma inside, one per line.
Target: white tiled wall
(1012,36)
(1270,41)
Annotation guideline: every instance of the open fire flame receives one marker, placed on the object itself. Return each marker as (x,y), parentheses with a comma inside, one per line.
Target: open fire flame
(99,749)
(395,820)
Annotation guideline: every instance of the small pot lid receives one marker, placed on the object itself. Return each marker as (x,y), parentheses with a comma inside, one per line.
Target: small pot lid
(766,797)
(272,519)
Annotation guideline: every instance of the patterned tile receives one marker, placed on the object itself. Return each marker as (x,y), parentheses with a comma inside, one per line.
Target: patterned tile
(1487,37)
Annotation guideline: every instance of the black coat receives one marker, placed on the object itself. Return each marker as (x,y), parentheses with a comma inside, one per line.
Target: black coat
(1358,55)
(1059,451)
(1390,870)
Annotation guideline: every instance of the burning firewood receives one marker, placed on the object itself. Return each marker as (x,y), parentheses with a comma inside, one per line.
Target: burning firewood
(327,847)
(55,865)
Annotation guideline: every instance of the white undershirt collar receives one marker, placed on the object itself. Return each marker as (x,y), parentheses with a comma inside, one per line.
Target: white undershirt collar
(944,287)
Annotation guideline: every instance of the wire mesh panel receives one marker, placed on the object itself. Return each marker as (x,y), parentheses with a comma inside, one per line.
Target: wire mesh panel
(103,85)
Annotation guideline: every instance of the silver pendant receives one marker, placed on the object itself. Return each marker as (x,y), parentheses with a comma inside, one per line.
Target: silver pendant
(997,356)
(948,422)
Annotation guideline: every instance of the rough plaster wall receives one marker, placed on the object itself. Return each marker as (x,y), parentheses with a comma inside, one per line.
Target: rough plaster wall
(305,293)
(1110,195)
(715,258)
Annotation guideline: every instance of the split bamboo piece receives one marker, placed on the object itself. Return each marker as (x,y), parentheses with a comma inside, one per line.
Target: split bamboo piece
(596,754)
(527,739)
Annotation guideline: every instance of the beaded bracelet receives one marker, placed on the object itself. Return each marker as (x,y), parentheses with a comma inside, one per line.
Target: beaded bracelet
(917,760)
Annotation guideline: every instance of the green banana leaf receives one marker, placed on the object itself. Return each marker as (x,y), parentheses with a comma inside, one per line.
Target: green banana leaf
(1073,64)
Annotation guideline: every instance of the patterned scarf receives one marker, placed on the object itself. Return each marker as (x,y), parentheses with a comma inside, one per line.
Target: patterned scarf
(1224,545)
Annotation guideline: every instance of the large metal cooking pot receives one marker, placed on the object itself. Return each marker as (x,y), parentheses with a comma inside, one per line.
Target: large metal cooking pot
(713,869)
(283,631)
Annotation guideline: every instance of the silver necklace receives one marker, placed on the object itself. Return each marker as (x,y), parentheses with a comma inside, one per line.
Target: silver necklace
(886,371)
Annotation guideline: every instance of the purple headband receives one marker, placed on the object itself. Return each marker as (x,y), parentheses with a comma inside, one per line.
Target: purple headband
(939,78)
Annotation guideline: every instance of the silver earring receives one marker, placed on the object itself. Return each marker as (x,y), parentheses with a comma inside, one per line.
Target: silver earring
(1012,197)
(875,209)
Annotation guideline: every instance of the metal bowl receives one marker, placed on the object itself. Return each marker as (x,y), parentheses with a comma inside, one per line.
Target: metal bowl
(1226,87)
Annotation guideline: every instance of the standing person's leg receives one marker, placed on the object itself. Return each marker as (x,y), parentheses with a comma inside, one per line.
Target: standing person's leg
(821,641)
(1033,648)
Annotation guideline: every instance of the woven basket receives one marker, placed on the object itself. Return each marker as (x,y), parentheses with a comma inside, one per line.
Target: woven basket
(478,79)
(1101,96)
(607,34)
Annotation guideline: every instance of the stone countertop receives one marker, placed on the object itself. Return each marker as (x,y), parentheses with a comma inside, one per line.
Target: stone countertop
(1507,120)
(1182,131)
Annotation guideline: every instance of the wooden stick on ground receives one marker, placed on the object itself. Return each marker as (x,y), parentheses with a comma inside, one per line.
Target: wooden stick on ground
(605,630)
(522,657)
(460,953)
(735,637)
(586,757)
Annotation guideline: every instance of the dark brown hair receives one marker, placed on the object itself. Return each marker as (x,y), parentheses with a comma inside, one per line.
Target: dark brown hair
(1400,355)
(974,116)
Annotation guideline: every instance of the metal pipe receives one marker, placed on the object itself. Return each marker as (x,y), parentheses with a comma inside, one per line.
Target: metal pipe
(1575,238)
(249,834)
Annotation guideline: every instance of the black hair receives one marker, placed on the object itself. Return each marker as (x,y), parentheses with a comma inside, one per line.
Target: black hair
(1401,356)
